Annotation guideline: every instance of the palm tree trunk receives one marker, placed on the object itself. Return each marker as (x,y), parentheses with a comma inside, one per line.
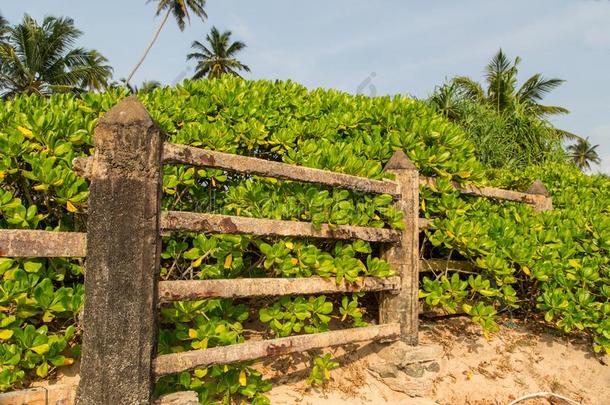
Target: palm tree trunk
(149,46)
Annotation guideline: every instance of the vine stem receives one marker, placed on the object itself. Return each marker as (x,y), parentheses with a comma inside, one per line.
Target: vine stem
(544,394)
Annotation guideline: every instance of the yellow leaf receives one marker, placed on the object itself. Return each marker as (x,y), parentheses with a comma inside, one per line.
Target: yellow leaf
(228,261)
(242,378)
(68,361)
(226,368)
(42,370)
(201,372)
(202,344)
(294,261)
(25,131)
(47,316)
(192,333)
(289,245)
(70,207)
(526,270)
(450,234)
(41,349)
(326,374)
(574,263)
(5,334)
(40,187)
(197,262)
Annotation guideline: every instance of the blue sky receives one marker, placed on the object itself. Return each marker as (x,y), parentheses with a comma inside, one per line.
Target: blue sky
(377,47)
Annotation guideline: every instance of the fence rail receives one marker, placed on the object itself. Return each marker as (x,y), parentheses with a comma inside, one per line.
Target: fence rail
(188,290)
(173,153)
(30,243)
(253,350)
(227,224)
(122,249)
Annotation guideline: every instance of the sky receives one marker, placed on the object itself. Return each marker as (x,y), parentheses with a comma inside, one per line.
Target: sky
(372,47)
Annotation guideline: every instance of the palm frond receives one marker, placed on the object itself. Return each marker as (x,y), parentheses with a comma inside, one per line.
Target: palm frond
(469,88)
(536,87)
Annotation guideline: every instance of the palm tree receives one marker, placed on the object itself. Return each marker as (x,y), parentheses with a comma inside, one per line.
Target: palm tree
(503,95)
(583,154)
(447,100)
(181,10)
(502,92)
(42,59)
(219,58)
(148,86)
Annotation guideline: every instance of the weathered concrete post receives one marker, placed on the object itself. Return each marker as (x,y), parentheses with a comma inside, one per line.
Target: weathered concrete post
(544,202)
(404,257)
(123,248)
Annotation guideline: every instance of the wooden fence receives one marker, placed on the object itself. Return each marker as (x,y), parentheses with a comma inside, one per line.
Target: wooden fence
(122,248)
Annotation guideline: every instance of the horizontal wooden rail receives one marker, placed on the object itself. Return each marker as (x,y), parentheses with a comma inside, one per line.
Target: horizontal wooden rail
(173,153)
(253,350)
(491,192)
(30,243)
(424,223)
(188,290)
(216,223)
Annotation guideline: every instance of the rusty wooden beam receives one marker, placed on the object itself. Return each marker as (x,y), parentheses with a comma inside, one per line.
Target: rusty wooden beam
(253,350)
(537,200)
(228,224)
(188,290)
(173,153)
(424,223)
(29,243)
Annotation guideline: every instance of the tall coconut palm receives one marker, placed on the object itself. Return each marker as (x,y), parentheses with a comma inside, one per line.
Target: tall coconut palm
(502,91)
(41,59)
(181,10)
(505,96)
(219,57)
(583,154)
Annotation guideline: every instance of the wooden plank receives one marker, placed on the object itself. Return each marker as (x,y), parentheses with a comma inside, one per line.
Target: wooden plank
(29,243)
(228,224)
(188,290)
(424,223)
(123,255)
(173,153)
(404,256)
(489,192)
(253,350)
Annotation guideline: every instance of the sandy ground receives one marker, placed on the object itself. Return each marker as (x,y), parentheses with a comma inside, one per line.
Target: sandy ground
(473,370)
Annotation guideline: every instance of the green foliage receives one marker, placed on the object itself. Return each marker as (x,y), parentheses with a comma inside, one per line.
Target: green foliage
(512,140)
(41,59)
(320,372)
(508,124)
(524,261)
(555,263)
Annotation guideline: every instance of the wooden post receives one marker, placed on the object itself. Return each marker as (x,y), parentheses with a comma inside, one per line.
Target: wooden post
(544,202)
(404,256)
(123,248)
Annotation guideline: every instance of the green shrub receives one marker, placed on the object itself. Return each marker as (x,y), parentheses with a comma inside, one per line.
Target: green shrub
(524,259)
